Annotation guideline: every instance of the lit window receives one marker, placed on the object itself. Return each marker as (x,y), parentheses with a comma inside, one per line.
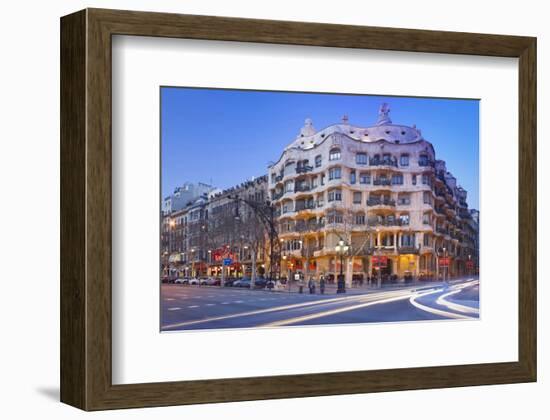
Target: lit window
(334,154)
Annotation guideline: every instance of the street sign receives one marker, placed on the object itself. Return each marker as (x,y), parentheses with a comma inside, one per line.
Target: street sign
(227,261)
(444,261)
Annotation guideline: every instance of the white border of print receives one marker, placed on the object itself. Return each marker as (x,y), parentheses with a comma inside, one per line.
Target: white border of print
(142,354)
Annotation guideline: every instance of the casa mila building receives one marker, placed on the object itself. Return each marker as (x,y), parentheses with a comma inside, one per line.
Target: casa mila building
(373,204)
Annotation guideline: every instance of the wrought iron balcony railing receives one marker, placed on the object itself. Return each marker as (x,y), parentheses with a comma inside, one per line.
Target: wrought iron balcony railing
(380,202)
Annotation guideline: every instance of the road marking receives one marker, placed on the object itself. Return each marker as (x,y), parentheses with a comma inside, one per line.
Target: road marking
(169,299)
(456,306)
(226,303)
(435,311)
(193,306)
(238,301)
(174,309)
(210,304)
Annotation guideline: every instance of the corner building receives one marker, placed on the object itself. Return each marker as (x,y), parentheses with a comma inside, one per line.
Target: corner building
(382,192)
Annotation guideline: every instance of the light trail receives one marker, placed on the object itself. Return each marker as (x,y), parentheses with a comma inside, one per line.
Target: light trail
(456,306)
(283,308)
(334,311)
(434,311)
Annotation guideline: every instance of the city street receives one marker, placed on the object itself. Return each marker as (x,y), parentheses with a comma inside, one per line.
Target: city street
(211,307)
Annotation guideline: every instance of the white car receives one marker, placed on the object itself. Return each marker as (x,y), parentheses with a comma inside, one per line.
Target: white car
(194,281)
(181,280)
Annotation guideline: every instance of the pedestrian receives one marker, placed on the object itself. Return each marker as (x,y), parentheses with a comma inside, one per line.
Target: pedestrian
(322,285)
(311,286)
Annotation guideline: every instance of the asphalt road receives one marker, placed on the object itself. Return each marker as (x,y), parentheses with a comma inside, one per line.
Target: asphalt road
(196,308)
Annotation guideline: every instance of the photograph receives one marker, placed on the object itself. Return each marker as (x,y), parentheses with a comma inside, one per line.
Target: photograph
(268,221)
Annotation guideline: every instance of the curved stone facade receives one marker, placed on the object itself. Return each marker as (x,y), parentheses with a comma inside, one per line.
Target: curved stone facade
(381,191)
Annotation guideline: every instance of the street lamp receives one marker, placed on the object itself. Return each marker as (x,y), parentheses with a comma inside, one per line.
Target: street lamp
(341,249)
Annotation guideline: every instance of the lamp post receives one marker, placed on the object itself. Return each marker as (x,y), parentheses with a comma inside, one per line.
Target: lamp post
(341,249)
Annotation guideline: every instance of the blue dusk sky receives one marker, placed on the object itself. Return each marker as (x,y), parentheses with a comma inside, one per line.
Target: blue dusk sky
(225,137)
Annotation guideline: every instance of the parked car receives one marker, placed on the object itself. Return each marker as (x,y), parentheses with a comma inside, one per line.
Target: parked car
(164,279)
(237,282)
(181,280)
(229,282)
(193,281)
(244,283)
(210,281)
(260,283)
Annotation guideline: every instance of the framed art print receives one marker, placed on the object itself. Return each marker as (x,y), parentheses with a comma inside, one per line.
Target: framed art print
(261,209)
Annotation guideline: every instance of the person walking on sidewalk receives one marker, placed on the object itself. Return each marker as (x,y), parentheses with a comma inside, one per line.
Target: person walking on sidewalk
(311,285)
(322,285)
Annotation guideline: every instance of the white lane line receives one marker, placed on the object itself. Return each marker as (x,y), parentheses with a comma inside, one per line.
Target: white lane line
(238,301)
(169,299)
(435,311)
(174,309)
(358,298)
(210,304)
(193,306)
(455,306)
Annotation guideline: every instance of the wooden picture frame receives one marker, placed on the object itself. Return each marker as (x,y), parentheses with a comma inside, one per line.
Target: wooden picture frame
(86,166)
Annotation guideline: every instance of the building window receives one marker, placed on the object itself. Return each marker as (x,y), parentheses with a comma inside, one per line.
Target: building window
(335,173)
(335,217)
(427,239)
(426,218)
(318,160)
(357,197)
(364,178)
(289,186)
(427,197)
(320,200)
(352,177)
(423,160)
(334,154)
(407,239)
(359,219)
(414,179)
(404,199)
(425,179)
(404,160)
(404,220)
(397,179)
(361,158)
(322,179)
(314,182)
(335,195)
